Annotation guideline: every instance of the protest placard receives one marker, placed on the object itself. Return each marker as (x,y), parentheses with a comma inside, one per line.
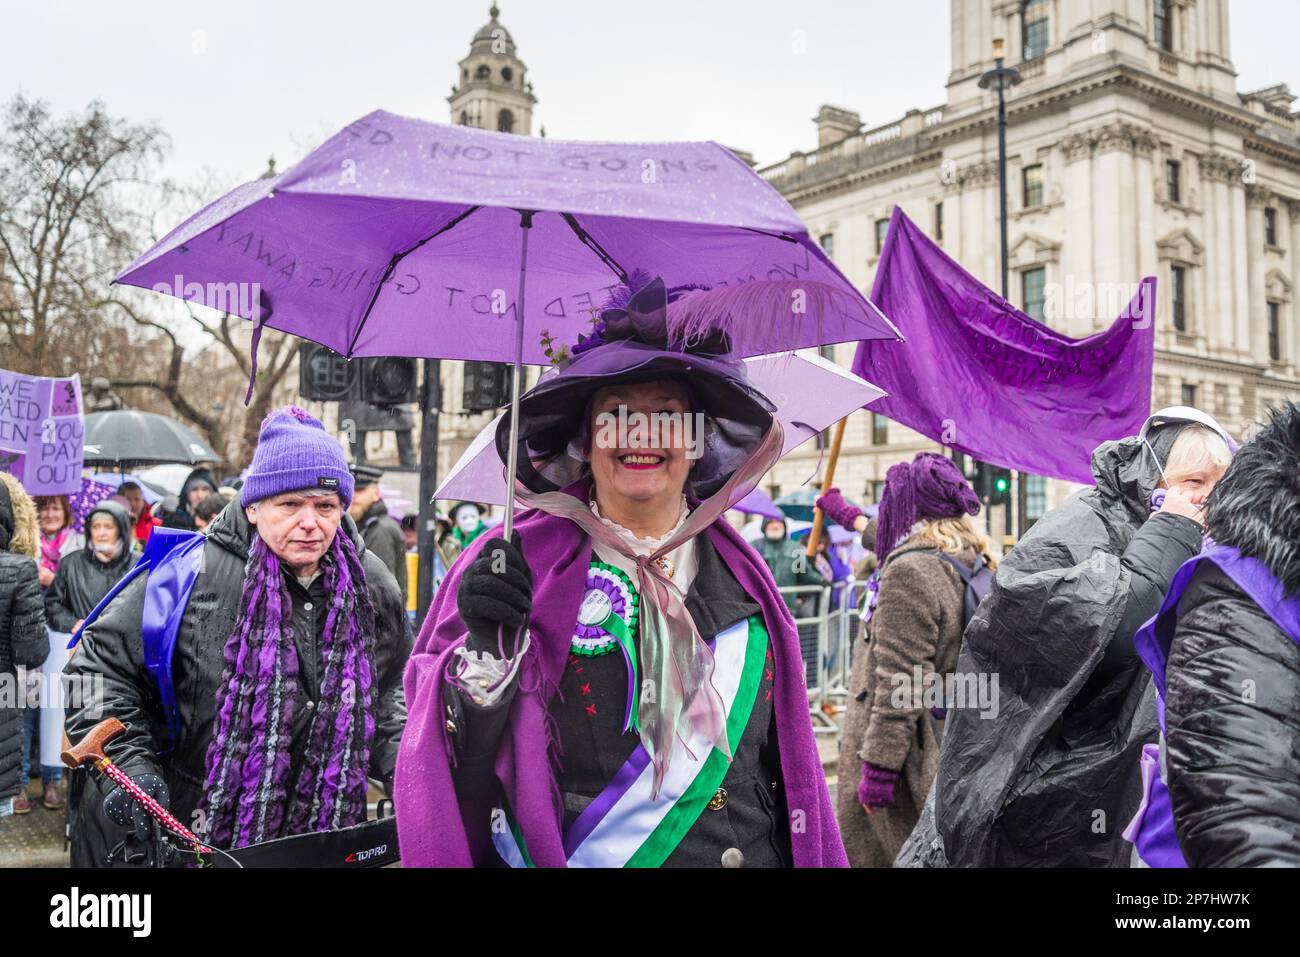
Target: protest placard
(41,431)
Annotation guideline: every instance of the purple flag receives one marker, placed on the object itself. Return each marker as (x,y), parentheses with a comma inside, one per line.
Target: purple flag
(980,376)
(41,432)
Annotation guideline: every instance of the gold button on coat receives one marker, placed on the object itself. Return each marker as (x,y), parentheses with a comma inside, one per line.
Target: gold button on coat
(719,800)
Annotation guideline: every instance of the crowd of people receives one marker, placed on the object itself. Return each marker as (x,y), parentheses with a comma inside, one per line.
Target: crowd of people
(622,680)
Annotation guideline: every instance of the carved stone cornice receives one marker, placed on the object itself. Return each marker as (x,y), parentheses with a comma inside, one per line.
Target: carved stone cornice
(1117,135)
(978,174)
(1259,196)
(1220,168)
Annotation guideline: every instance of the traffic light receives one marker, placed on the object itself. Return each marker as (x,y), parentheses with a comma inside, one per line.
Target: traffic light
(390,380)
(992,484)
(326,376)
(487,386)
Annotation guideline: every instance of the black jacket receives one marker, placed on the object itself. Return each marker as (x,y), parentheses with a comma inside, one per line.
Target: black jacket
(588,714)
(1232,701)
(82,579)
(1052,778)
(23,641)
(384,537)
(183,517)
(111,647)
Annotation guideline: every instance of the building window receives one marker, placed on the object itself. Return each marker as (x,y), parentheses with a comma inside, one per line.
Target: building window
(1033,182)
(1033,19)
(879,429)
(827,242)
(1178,296)
(1033,291)
(875,490)
(1174,180)
(1164,24)
(882,230)
(938,222)
(464,118)
(483,72)
(1035,497)
(1274,332)
(1270,226)
(1189,395)
(507,74)
(505,122)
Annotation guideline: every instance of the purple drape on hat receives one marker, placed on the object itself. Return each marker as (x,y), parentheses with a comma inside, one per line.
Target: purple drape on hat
(982,377)
(436,830)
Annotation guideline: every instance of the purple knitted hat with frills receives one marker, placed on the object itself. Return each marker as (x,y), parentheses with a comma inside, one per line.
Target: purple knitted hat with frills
(294,454)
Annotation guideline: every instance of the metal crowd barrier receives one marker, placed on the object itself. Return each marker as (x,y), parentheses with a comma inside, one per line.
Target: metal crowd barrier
(826,640)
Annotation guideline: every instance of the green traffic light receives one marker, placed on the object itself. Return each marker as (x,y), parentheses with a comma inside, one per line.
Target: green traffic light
(1001,484)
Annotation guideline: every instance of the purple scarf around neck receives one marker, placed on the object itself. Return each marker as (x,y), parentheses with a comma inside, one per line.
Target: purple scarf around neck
(250,793)
(436,829)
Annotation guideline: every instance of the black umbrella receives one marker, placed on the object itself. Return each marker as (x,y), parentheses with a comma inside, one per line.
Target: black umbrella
(127,438)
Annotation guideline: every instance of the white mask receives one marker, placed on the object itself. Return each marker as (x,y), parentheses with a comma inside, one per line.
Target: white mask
(467,520)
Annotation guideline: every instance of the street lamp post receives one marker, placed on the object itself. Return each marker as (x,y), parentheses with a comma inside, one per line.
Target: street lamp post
(1002,78)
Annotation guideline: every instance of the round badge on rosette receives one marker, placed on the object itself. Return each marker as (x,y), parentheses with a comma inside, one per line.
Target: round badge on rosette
(608,613)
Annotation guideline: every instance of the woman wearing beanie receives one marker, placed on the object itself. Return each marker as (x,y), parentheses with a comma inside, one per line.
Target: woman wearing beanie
(286,668)
(619,684)
(889,742)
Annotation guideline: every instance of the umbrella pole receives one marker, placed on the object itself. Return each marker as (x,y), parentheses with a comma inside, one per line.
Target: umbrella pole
(525,224)
(827,482)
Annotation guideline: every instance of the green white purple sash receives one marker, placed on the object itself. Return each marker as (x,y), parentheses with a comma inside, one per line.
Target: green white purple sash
(623,827)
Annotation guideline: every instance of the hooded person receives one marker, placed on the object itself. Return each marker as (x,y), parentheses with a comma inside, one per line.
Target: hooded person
(285,671)
(467,523)
(24,642)
(86,576)
(889,741)
(620,684)
(1049,776)
(198,485)
(1225,655)
(382,535)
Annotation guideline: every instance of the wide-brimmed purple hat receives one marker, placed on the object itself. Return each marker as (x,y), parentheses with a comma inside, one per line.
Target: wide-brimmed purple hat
(634,341)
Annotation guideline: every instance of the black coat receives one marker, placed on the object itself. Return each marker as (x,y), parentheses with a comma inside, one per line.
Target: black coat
(112,647)
(23,641)
(588,712)
(1232,694)
(183,517)
(1052,778)
(384,537)
(82,579)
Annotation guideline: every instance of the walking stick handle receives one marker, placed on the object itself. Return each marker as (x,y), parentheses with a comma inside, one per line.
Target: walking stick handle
(91,748)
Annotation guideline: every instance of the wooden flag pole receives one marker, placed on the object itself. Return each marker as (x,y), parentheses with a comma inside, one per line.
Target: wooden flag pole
(827,482)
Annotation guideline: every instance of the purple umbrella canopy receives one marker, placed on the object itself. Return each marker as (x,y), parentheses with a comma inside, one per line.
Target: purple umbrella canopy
(402,237)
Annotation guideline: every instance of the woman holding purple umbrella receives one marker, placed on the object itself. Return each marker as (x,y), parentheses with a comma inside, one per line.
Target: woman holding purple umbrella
(619,684)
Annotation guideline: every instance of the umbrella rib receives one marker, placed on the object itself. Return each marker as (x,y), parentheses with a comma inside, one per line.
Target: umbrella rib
(590,243)
(392,264)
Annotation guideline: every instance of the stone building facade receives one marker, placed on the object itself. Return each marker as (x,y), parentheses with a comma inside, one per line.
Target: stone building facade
(1130,153)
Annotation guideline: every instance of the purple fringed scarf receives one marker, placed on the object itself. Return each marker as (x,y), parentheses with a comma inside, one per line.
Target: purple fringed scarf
(929,486)
(249,766)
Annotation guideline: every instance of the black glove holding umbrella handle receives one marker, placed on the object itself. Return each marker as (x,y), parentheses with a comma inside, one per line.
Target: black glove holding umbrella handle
(495,597)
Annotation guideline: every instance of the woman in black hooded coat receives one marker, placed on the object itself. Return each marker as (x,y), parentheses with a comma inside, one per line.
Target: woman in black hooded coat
(1232,707)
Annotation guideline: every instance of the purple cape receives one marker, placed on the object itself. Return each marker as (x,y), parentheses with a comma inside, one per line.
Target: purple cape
(435,829)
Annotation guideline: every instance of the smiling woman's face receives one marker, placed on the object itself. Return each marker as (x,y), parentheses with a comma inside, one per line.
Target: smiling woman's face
(623,463)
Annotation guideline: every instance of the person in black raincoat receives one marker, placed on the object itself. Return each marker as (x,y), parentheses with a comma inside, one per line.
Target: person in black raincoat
(86,576)
(282,564)
(198,486)
(1050,776)
(1233,749)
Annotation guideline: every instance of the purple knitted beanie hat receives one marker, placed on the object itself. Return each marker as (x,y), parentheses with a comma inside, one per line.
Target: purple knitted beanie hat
(295,454)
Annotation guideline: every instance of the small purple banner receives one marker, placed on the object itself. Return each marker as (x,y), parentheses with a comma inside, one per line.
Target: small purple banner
(42,432)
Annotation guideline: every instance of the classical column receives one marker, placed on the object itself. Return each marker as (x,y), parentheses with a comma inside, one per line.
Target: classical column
(1291,342)
(1241,305)
(1077,253)
(1113,169)
(1144,213)
(1257,198)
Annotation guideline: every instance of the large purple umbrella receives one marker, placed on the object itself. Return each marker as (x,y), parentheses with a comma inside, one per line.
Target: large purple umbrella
(403,237)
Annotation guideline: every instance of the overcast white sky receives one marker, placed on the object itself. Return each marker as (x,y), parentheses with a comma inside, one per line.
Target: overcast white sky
(236,81)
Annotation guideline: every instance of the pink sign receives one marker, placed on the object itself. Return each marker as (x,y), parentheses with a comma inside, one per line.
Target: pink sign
(42,432)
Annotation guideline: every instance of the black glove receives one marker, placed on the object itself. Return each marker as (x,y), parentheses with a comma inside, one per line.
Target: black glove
(495,591)
(124,811)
